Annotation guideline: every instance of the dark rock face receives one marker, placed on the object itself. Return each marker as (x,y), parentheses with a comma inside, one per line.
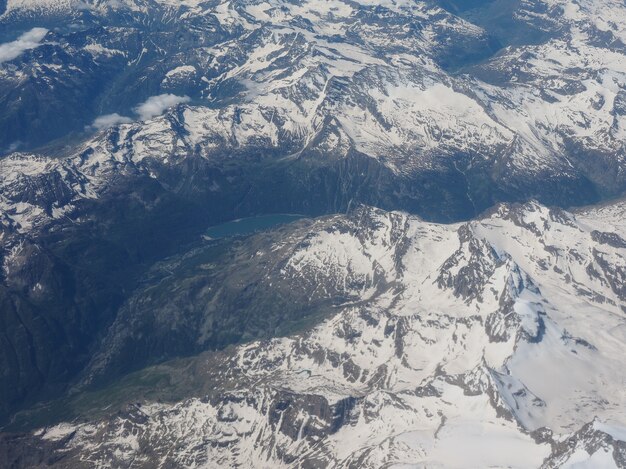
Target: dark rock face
(612,239)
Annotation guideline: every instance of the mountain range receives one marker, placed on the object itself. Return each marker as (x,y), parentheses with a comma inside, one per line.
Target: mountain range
(453,295)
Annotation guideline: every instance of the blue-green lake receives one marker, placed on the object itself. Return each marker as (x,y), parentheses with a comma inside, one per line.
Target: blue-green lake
(245,226)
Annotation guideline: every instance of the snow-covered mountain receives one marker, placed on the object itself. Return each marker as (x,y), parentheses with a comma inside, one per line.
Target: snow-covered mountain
(408,84)
(370,339)
(493,343)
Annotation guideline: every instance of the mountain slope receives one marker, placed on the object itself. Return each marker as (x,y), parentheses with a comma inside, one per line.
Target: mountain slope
(492,342)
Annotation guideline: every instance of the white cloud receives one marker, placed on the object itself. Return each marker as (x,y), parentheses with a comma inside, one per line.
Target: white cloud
(114,4)
(109,120)
(153,106)
(28,40)
(156,105)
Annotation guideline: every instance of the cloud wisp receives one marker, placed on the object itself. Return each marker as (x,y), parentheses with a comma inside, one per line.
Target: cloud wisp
(152,107)
(29,40)
(109,120)
(156,105)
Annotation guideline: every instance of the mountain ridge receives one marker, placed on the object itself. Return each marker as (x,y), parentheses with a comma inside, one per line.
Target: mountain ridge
(441,332)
